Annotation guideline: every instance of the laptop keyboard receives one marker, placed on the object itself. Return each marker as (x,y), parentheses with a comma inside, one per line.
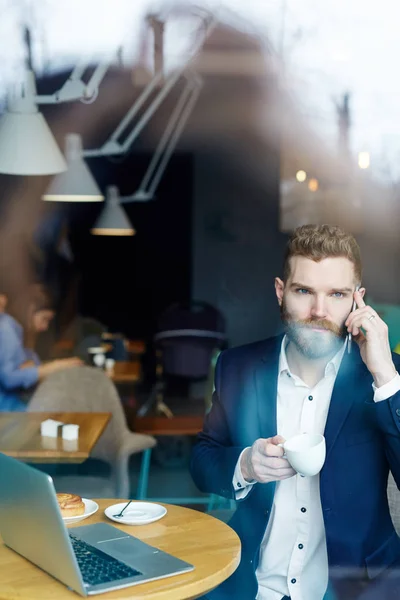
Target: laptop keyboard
(98,567)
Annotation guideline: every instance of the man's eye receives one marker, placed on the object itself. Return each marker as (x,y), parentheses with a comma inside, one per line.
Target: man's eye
(338,294)
(302,291)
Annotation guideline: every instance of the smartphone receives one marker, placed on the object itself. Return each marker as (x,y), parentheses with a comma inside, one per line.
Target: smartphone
(349,336)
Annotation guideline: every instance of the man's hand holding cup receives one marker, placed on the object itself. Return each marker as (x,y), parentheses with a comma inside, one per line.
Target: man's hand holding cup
(264,461)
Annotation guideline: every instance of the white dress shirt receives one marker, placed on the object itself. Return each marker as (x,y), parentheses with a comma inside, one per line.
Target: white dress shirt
(293,555)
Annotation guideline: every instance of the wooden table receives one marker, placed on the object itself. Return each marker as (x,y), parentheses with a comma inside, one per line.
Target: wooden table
(135,346)
(176,425)
(126,371)
(207,543)
(20,436)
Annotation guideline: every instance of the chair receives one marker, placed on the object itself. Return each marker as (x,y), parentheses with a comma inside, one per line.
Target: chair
(86,389)
(86,326)
(88,334)
(187,338)
(182,428)
(81,333)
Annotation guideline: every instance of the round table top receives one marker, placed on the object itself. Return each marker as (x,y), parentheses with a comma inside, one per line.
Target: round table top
(207,543)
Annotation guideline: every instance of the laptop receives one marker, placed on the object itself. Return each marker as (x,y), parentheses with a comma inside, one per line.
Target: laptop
(90,559)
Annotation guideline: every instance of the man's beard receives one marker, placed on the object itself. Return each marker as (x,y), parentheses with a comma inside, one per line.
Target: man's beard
(313,344)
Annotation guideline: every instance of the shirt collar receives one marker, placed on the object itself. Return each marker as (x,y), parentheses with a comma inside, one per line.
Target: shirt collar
(332,366)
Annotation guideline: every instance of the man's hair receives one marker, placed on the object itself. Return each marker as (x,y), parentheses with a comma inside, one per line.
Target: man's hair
(317,242)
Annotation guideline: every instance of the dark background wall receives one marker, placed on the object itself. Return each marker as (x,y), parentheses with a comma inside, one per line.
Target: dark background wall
(125,282)
(237,249)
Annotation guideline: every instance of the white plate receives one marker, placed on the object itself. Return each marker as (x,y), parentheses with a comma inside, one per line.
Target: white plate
(90,508)
(137,513)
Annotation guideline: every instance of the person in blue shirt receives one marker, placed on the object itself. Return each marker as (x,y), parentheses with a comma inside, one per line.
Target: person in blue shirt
(20,367)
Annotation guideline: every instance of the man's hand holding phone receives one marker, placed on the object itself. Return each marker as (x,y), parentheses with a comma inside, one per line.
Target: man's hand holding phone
(372,336)
(349,336)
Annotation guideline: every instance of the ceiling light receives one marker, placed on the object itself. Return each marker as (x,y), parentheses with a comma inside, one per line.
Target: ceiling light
(76,184)
(301,176)
(113,219)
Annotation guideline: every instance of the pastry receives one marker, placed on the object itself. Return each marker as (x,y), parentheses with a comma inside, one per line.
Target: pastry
(70,505)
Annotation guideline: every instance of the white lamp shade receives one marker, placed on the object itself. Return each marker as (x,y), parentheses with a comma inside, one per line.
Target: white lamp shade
(113,219)
(27,146)
(77,184)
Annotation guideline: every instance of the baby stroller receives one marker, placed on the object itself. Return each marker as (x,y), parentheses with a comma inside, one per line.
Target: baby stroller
(188,336)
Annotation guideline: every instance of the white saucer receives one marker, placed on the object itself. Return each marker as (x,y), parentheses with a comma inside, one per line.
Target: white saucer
(137,513)
(90,508)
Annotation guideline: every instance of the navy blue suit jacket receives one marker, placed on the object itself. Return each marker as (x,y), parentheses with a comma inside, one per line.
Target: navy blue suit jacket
(363,443)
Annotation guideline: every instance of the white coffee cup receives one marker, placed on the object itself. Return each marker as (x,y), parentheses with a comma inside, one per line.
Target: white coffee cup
(306,453)
(110,364)
(97,356)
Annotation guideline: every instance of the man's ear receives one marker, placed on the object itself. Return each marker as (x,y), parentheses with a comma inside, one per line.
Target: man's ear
(279,289)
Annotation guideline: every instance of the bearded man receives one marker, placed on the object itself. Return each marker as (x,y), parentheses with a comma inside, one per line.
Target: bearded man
(302,536)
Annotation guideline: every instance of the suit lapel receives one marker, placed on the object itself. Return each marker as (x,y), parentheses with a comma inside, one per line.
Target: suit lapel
(266,381)
(343,396)
(266,384)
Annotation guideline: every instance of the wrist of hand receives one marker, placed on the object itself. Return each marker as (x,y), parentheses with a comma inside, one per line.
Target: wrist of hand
(384,376)
(246,466)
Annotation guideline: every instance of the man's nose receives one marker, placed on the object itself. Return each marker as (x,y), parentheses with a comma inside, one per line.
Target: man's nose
(319,308)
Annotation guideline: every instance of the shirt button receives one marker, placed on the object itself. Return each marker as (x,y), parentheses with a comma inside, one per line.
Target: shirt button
(300,546)
(292,581)
(239,484)
(398,412)
(303,510)
(310,397)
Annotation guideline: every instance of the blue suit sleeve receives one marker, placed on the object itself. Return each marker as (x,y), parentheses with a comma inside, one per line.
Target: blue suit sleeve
(388,418)
(214,457)
(31,355)
(12,376)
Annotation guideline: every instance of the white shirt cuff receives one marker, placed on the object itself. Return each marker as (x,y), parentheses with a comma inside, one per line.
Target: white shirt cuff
(386,391)
(240,485)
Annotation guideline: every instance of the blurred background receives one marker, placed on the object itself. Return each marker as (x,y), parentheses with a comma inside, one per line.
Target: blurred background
(208,131)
